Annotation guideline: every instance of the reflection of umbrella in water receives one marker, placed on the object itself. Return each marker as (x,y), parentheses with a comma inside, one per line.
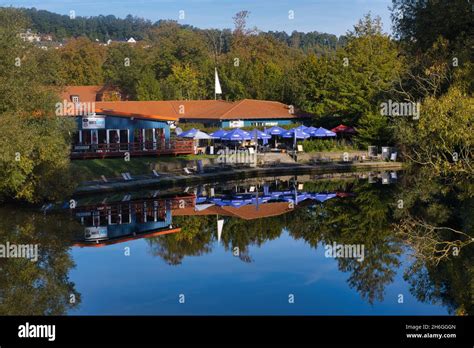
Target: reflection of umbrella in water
(260,199)
(201,207)
(322,197)
(200,199)
(232,202)
(296,198)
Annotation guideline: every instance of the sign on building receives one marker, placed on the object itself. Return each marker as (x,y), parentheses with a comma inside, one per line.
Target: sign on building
(95,122)
(236,124)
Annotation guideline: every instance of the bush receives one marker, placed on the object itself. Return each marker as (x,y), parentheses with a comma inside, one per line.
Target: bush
(315,145)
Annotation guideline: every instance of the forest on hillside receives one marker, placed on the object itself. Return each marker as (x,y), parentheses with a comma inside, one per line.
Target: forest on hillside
(103,28)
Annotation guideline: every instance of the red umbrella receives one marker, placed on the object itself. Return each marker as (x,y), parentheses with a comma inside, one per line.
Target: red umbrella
(344,129)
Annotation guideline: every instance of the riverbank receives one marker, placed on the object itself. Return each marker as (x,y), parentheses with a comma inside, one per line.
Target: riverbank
(168,180)
(94,169)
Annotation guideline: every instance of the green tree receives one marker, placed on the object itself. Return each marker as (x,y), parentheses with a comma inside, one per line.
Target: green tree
(351,82)
(82,62)
(183,83)
(34,146)
(124,66)
(148,87)
(443,137)
(373,129)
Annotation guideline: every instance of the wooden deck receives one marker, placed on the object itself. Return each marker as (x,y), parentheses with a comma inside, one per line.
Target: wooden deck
(173,148)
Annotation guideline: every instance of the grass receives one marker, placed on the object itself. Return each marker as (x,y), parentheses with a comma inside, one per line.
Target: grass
(92,169)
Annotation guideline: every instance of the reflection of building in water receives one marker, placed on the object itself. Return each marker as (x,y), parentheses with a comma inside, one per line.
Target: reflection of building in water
(109,223)
(122,218)
(252,205)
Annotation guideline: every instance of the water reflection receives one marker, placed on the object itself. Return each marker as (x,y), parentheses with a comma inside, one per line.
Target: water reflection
(42,287)
(114,219)
(241,219)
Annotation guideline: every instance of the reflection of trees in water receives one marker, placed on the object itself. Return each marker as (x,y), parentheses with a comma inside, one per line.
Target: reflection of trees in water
(362,219)
(437,222)
(242,234)
(42,287)
(370,218)
(194,239)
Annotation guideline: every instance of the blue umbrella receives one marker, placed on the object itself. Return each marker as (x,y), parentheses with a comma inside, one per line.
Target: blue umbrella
(303,128)
(323,133)
(296,133)
(275,131)
(310,130)
(236,135)
(260,134)
(219,133)
(189,133)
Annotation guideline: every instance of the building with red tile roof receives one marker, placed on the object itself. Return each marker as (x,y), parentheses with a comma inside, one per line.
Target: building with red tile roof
(221,113)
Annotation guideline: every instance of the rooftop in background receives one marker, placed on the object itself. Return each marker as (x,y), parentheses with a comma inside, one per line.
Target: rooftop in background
(88,94)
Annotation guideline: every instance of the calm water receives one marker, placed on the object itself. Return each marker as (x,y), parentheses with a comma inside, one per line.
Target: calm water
(255,247)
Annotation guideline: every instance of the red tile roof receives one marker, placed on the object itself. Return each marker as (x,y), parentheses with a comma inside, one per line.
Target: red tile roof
(85,93)
(206,109)
(113,112)
(185,109)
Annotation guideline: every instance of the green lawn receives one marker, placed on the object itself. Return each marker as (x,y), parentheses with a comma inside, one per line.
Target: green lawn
(92,169)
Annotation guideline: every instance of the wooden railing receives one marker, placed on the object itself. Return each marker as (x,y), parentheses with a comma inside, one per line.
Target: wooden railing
(170,147)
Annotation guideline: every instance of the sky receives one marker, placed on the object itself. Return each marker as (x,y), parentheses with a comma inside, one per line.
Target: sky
(329,16)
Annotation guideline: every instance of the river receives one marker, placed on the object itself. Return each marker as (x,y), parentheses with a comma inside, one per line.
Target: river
(293,245)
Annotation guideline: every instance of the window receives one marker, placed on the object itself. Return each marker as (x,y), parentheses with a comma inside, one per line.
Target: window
(75,98)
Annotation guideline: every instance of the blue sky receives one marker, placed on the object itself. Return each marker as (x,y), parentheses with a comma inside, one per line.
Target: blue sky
(331,16)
